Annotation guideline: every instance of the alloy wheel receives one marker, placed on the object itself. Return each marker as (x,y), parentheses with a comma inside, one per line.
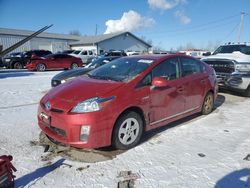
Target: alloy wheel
(128,131)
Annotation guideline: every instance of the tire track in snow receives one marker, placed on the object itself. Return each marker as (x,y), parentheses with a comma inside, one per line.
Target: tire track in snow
(16,106)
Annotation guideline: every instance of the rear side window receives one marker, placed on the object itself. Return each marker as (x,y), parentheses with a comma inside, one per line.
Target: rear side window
(168,69)
(84,53)
(189,66)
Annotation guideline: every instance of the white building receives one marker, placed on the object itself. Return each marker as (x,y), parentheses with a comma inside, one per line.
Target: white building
(125,41)
(58,42)
(45,41)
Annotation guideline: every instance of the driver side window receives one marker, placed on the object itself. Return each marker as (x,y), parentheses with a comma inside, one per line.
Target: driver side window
(168,69)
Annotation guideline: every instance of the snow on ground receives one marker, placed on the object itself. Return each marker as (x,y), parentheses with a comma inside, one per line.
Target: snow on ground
(198,152)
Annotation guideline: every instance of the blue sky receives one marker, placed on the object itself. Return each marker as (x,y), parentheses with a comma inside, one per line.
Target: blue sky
(168,23)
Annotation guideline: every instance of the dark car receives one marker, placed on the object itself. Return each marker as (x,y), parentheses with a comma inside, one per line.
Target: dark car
(70,74)
(54,61)
(115,53)
(117,102)
(20,61)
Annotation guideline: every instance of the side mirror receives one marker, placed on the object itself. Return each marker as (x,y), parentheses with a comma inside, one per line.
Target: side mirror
(159,82)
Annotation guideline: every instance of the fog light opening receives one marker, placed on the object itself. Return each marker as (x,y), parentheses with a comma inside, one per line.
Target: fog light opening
(84,134)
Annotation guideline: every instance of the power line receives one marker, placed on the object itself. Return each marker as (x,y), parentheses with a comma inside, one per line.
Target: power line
(193,30)
(230,33)
(198,26)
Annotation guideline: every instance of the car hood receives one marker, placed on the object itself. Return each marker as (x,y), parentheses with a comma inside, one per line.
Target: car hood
(237,56)
(71,73)
(66,96)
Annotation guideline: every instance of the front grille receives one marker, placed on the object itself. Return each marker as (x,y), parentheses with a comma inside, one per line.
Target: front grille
(56,110)
(58,131)
(221,66)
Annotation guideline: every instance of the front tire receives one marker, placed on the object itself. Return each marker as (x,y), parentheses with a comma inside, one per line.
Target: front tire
(17,65)
(127,131)
(40,67)
(74,66)
(208,104)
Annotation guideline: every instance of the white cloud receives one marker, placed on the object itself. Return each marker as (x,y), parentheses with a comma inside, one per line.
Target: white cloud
(130,21)
(164,4)
(184,19)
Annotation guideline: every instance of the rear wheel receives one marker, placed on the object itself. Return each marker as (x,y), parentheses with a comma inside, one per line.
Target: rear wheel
(40,67)
(127,131)
(74,66)
(17,65)
(208,104)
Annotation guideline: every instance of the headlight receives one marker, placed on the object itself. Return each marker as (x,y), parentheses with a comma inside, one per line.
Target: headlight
(7,60)
(243,67)
(92,105)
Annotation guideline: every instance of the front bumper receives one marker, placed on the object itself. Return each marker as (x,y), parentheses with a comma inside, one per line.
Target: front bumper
(234,81)
(30,66)
(65,128)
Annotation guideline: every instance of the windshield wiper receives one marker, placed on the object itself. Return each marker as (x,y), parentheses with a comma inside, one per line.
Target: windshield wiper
(103,77)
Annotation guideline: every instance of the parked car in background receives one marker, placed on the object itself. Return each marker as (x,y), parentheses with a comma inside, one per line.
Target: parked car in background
(115,53)
(85,55)
(70,74)
(232,65)
(115,103)
(14,54)
(54,61)
(67,51)
(133,53)
(20,60)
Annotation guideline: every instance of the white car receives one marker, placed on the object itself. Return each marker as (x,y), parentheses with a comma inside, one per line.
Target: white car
(231,63)
(85,55)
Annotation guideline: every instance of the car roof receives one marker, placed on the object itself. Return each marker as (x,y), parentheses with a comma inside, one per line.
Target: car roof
(157,56)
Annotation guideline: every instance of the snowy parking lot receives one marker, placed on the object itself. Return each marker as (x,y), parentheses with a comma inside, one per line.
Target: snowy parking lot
(196,152)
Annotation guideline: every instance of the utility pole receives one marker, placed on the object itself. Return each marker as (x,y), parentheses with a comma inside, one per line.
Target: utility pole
(242,14)
(96,28)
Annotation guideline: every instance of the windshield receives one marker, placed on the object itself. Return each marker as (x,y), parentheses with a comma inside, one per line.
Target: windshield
(233,48)
(96,63)
(122,69)
(76,52)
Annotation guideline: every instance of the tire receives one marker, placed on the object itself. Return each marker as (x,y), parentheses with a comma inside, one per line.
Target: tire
(247,92)
(208,104)
(17,65)
(41,67)
(127,131)
(74,66)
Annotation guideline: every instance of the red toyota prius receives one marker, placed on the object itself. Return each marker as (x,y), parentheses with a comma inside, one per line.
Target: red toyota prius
(116,103)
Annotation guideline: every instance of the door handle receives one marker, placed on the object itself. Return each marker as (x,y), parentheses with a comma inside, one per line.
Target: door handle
(203,81)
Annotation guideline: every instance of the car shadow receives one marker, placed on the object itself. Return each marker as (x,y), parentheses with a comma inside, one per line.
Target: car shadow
(219,101)
(238,178)
(37,174)
(4,73)
(231,92)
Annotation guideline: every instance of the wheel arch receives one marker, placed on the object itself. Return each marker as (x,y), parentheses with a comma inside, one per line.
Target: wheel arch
(133,109)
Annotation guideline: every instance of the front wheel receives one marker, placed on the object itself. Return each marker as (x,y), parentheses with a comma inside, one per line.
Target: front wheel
(208,104)
(17,65)
(40,67)
(74,66)
(127,131)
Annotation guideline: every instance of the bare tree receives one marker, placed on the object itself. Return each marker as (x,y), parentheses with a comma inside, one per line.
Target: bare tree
(75,32)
